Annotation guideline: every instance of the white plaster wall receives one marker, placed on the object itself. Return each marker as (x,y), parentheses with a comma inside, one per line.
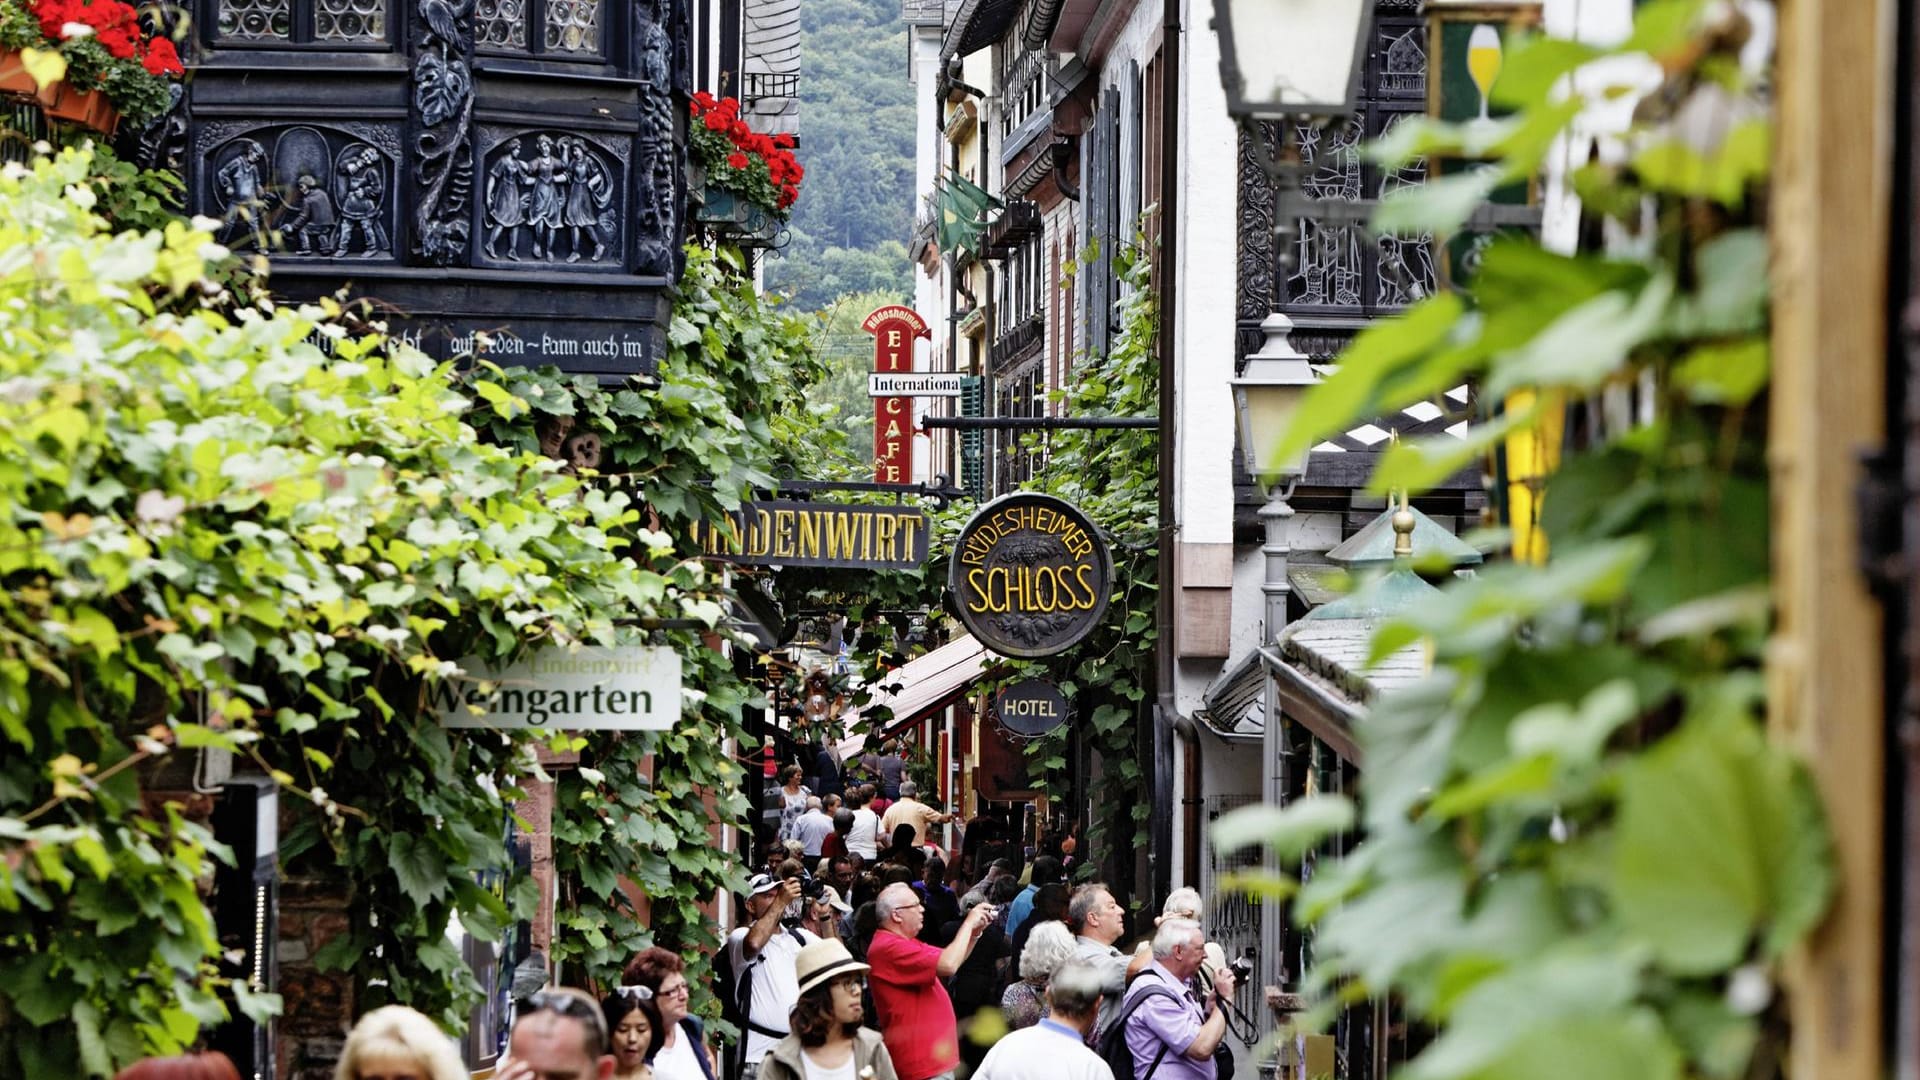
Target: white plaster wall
(929,293)
(1207,269)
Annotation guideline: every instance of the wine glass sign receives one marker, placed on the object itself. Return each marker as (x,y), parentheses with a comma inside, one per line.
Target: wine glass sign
(1483,63)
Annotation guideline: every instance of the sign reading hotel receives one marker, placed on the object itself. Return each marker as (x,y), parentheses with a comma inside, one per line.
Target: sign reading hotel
(633,688)
(818,534)
(1030,575)
(893,328)
(1030,707)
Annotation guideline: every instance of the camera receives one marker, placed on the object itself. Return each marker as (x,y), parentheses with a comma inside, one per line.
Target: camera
(1242,968)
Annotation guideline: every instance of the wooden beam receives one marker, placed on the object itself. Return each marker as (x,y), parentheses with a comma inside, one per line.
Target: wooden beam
(1829,231)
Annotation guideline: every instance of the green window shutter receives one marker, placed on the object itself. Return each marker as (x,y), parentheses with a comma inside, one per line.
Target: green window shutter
(973,402)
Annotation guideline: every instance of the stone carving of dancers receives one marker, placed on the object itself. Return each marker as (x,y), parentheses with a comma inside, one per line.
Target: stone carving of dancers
(365,198)
(588,194)
(547,204)
(506,201)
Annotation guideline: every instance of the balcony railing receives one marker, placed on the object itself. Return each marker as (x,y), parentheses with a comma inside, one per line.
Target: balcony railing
(1020,338)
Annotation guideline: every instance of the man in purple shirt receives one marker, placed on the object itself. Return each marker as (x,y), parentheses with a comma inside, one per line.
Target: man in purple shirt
(1171,1035)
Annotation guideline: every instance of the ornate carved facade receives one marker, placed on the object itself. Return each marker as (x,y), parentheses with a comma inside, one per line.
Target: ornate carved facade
(509,166)
(1340,279)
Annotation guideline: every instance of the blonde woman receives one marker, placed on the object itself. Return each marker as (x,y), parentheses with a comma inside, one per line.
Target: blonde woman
(396,1043)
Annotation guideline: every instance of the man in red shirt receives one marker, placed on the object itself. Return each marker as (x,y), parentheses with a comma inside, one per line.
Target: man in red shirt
(916,1016)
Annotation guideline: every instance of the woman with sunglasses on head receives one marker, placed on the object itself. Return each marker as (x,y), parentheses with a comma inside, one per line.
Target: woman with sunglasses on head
(682,1050)
(633,1021)
(827,1040)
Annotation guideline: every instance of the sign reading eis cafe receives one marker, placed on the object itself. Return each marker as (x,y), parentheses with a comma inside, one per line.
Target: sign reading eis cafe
(1030,575)
(893,328)
(634,688)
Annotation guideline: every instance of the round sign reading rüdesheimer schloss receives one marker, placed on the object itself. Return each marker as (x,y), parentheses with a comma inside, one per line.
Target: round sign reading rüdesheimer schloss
(1030,575)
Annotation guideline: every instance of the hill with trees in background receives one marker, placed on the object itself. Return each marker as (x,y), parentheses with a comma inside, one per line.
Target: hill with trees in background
(855,214)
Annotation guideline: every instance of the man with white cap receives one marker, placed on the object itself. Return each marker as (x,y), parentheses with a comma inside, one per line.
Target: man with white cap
(759,971)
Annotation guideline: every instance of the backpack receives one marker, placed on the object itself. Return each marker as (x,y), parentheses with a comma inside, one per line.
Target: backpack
(1113,1041)
(736,999)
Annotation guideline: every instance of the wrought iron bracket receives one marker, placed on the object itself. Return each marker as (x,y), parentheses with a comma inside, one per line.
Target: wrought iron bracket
(1037,423)
(941,490)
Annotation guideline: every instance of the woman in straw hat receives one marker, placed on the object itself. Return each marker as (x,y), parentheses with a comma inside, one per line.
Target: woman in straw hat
(827,1041)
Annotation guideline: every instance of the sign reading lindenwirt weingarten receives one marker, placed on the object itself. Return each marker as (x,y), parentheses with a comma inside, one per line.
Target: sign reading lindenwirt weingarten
(1030,575)
(633,688)
(791,533)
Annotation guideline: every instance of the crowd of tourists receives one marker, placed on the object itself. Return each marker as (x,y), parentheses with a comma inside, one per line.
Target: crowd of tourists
(864,952)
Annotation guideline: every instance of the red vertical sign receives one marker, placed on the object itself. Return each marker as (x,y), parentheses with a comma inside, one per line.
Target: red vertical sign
(893,328)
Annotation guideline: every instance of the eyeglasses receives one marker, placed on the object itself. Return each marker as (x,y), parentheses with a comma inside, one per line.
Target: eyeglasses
(635,993)
(675,991)
(569,1005)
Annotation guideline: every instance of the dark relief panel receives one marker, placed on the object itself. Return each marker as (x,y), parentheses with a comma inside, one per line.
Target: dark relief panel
(301,191)
(551,197)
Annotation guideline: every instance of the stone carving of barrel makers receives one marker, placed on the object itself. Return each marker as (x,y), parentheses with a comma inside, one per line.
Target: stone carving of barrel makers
(512,167)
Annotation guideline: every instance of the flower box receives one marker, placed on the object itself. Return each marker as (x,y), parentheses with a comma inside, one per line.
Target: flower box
(58,100)
(723,207)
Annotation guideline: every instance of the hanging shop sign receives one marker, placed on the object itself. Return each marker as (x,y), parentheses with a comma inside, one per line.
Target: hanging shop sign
(632,688)
(893,328)
(917,384)
(1031,707)
(1030,575)
(818,534)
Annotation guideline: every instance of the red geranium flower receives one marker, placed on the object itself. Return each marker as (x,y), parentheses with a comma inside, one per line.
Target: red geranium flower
(703,99)
(716,122)
(737,160)
(161,59)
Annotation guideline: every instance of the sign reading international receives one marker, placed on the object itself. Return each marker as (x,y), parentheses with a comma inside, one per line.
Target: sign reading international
(917,384)
(818,534)
(893,328)
(1031,707)
(633,688)
(1030,575)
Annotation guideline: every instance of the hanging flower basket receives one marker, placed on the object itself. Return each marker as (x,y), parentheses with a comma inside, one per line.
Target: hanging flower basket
(723,207)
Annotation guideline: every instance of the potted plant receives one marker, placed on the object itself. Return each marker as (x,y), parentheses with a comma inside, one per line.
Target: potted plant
(86,61)
(746,173)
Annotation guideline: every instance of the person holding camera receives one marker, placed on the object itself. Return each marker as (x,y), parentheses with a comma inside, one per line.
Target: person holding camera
(915,1014)
(758,976)
(1168,1034)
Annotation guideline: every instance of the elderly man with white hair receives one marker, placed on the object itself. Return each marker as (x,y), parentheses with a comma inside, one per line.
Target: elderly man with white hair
(1170,1035)
(1055,1048)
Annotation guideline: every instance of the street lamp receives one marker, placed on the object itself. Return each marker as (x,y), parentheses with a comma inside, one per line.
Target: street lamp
(1292,62)
(1267,396)
(1290,58)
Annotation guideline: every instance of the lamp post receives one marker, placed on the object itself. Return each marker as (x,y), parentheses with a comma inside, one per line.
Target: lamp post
(1267,395)
(1291,62)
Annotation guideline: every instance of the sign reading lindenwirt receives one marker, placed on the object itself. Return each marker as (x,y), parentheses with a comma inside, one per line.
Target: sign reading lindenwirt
(635,688)
(1030,575)
(819,534)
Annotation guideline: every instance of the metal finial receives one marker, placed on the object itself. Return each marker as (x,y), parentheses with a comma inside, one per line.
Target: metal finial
(1403,529)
